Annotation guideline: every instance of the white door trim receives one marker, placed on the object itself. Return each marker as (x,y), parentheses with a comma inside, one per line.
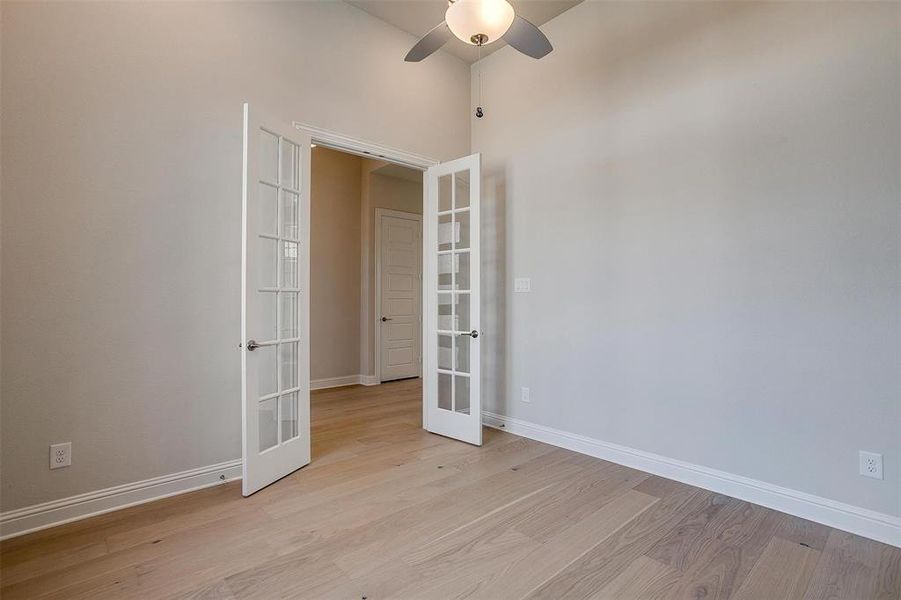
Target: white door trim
(364,148)
(367,149)
(377,312)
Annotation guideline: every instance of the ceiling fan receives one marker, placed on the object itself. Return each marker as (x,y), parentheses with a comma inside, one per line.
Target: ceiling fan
(480,22)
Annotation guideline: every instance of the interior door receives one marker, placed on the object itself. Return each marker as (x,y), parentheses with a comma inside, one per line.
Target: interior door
(274,303)
(452,391)
(400,293)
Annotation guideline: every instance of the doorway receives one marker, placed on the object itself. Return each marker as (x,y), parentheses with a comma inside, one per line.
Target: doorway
(279,323)
(365,265)
(365,292)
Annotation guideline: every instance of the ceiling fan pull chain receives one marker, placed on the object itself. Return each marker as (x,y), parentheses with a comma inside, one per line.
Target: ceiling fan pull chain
(479,112)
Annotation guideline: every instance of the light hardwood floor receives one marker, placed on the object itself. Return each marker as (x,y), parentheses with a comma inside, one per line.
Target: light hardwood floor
(388,511)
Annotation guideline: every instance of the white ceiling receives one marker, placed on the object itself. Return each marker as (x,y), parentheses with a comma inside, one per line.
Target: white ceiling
(418,17)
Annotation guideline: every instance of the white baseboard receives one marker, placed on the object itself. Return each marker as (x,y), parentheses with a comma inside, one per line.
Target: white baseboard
(57,512)
(874,525)
(333,382)
(878,526)
(49,514)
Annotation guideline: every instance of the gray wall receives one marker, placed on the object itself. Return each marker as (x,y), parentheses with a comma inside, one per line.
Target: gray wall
(121,214)
(706,197)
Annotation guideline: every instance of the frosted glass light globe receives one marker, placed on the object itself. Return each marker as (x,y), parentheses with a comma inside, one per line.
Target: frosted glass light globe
(468,19)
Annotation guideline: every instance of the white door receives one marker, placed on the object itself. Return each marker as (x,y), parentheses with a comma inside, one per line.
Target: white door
(275,365)
(399,293)
(452,397)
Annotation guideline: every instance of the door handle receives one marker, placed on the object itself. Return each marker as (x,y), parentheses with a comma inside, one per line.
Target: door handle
(473,334)
(252,345)
(386,319)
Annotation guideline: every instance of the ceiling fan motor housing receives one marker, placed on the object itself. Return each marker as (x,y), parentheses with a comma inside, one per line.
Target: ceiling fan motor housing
(479,22)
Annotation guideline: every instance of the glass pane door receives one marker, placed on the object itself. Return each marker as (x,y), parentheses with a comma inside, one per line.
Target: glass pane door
(277,335)
(452,391)
(275,303)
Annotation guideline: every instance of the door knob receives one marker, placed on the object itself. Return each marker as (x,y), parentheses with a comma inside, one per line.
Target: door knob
(252,345)
(473,334)
(385,319)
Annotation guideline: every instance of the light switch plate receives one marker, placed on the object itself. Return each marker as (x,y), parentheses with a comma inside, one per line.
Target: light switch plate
(522,285)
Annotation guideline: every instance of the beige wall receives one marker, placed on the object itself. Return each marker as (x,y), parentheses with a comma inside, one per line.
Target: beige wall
(379,191)
(335,257)
(343,257)
(706,197)
(121,181)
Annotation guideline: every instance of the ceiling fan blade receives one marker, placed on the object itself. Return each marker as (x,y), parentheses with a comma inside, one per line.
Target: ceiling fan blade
(429,43)
(527,38)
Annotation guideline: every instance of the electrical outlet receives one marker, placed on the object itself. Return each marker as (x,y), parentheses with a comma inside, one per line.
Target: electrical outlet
(526,395)
(871,464)
(522,285)
(60,455)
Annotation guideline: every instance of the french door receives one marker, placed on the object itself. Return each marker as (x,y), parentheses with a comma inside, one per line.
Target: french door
(452,398)
(275,301)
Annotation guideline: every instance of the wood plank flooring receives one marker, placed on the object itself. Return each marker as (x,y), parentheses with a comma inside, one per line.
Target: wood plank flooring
(387,510)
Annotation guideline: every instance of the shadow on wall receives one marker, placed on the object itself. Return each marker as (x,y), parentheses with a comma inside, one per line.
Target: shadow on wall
(717,206)
(623,77)
(494,292)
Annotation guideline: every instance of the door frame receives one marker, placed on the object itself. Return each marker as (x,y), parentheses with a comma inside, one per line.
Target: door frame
(368,149)
(377,312)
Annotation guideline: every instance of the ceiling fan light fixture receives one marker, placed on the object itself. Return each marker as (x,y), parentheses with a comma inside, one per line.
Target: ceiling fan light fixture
(479,22)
